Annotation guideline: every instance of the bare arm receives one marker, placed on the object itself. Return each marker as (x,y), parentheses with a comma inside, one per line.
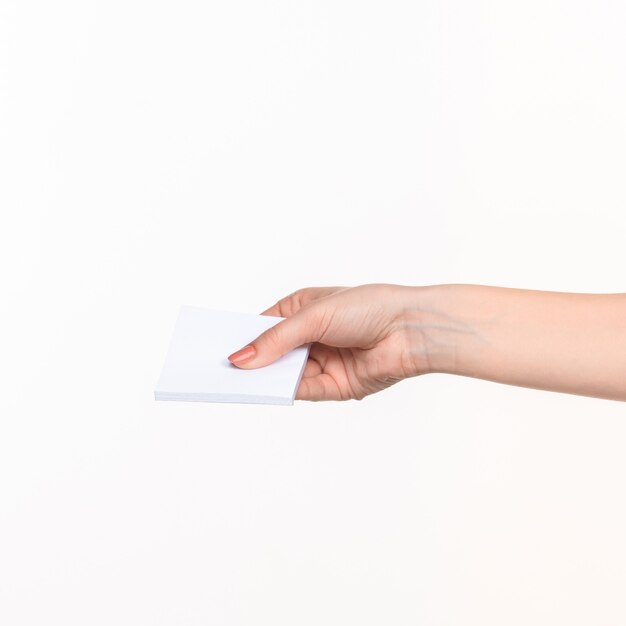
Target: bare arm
(557,341)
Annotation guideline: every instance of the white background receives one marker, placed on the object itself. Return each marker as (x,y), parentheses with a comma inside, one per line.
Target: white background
(224,154)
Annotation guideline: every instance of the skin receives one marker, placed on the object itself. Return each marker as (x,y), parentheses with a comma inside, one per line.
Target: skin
(367,338)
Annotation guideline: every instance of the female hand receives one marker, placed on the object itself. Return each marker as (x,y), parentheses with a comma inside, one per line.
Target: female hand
(367,338)
(361,340)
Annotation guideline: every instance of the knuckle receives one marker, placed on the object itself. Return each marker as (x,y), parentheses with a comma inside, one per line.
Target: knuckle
(288,305)
(298,298)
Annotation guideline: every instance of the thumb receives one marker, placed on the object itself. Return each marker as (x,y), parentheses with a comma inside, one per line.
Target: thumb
(302,327)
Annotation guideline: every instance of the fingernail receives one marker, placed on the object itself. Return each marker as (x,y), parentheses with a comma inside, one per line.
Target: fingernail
(244,354)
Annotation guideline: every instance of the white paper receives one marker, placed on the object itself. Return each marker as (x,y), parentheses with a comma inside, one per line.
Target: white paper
(197,368)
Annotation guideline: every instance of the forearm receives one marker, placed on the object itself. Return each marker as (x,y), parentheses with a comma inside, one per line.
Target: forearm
(567,342)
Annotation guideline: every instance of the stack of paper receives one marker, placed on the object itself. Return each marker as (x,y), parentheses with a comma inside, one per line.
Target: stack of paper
(197,368)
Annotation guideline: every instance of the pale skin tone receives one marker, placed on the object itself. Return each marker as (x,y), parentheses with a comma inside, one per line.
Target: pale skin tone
(367,338)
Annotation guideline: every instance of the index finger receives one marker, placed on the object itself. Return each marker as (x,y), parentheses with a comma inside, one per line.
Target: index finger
(292,303)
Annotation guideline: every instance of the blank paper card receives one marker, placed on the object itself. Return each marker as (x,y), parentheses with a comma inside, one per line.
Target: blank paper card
(197,369)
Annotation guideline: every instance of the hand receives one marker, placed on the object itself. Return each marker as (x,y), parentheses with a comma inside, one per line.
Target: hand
(361,340)
(367,338)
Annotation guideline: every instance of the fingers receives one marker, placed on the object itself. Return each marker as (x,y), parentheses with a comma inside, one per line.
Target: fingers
(301,328)
(316,388)
(292,303)
(312,368)
(318,384)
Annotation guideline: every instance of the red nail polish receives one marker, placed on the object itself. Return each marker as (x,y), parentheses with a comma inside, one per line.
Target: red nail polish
(244,354)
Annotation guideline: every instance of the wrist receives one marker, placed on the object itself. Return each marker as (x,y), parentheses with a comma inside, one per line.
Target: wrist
(440,327)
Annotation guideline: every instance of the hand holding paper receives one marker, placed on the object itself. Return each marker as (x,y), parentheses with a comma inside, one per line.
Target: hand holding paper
(360,340)
(355,339)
